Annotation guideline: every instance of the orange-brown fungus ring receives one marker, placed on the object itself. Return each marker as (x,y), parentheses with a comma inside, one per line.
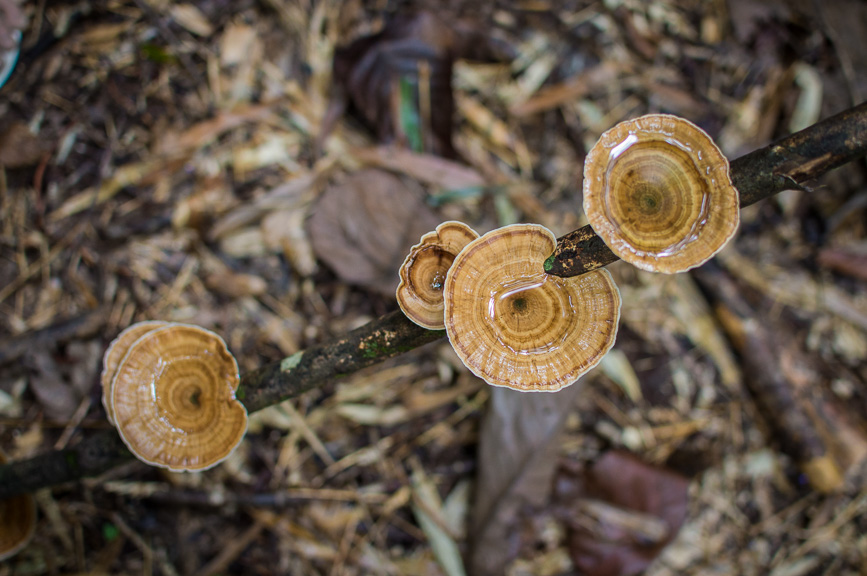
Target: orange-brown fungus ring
(657,190)
(514,325)
(423,273)
(116,352)
(174,399)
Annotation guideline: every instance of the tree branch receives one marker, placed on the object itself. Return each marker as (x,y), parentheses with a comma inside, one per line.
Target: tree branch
(789,163)
(374,342)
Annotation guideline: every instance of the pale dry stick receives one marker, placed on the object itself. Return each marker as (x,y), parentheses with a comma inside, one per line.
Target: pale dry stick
(233,548)
(165,493)
(789,163)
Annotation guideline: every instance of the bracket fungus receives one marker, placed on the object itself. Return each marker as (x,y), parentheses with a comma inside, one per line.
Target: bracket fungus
(423,273)
(173,398)
(115,354)
(513,325)
(17,522)
(657,191)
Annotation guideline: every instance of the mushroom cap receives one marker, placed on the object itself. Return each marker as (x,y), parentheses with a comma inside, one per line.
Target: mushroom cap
(657,191)
(514,325)
(17,522)
(116,352)
(423,273)
(174,399)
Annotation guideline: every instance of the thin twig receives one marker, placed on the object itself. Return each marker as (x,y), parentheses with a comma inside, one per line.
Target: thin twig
(388,336)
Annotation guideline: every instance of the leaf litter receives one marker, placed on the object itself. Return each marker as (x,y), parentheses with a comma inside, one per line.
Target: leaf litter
(170,152)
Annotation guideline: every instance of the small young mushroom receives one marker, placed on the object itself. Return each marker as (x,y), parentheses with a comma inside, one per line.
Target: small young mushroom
(116,352)
(173,399)
(514,325)
(423,273)
(17,522)
(657,191)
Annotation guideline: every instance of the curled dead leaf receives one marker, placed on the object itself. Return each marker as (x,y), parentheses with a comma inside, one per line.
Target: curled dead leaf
(400,80)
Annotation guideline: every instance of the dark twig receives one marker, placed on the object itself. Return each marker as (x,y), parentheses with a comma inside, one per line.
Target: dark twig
(383,338)
(789,163)
(792,161)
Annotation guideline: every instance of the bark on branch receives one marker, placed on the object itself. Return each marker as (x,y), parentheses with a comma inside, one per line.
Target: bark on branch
(383,338)
(789,163)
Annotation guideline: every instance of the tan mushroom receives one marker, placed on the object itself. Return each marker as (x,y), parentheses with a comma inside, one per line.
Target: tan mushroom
(423,273)
(657,191)
(116,352)
(17,522)
(173,398)
(513,325)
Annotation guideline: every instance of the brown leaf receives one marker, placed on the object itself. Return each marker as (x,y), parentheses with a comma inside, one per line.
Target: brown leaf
(19,147)
(61,387)
(843,261)
(638,510)
(405,72)
(364,227)
(517,458)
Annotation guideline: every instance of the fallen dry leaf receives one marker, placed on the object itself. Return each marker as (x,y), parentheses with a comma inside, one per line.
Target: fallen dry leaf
(635,509)
(61,386)
(518,451)
(19,147)
(364,227)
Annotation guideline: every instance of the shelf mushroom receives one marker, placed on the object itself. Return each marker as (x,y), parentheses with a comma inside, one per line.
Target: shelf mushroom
(173,399)
(423,273)
(513,325)
(17,522)
(657,191)
(116,352)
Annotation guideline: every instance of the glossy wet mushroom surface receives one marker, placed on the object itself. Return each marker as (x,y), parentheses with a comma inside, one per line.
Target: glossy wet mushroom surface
(174,399)
(513,325)
(423,273)
(115,354)
(657,190)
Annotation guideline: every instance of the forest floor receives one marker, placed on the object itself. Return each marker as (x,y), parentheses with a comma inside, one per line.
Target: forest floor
(166,160)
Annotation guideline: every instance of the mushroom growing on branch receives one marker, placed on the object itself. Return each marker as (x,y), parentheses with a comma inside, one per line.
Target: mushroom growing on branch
(173,399)
(513,325)
(657,190)
(115,354)
(423,273)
